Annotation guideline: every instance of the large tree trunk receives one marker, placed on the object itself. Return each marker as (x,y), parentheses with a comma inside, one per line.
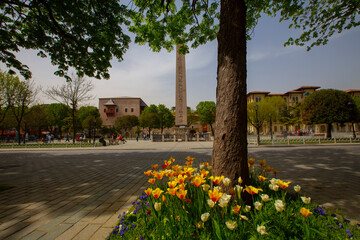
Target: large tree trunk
(230,144)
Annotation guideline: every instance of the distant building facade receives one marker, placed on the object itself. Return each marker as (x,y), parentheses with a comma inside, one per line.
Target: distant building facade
(293,97)
(112,108)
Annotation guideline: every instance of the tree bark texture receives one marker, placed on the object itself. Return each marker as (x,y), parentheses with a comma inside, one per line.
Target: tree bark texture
(230,143)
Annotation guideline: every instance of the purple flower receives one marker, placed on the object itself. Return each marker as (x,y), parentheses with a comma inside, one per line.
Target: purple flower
(333,215)
(346,220)
(141,238)
(340,225)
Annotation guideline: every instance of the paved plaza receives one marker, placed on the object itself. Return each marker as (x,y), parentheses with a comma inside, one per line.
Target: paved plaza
(79,193)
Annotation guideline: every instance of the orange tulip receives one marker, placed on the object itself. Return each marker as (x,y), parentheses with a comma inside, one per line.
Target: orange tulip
(181,179)
(172,191)
(251,161)
(157,192)
(217,179)
(282,184)
(155,166)
(268,168)
(252,190)
(159,175)
(204,173)
(215,195)
(172,184)
(262,163)
(163,198)
(236,209)
(305,212)
(151,180)
(181,194)
(147,173)
(148,191)
(262,178)
(198,180)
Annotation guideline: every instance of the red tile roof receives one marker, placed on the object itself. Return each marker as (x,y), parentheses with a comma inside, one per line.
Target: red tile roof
(352,90)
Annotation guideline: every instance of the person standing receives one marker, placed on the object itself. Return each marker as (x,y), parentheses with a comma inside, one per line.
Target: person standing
(137,137)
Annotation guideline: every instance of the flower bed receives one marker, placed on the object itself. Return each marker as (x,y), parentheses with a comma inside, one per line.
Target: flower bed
(184,202)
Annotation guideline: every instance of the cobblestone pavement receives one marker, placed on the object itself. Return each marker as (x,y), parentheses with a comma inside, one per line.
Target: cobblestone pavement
(78,193)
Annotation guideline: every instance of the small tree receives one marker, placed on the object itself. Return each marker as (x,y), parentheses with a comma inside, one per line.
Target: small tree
(207,112)
(166,119)
(126,123)
(18,96)
(328,106)
(56,113)
(72,93)
(257,114)
(37,119)
(148,120)
(191,117)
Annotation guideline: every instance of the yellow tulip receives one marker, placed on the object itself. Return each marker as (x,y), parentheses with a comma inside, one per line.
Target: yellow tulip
(215,195)
(181,194)
(252,190)
(236,209)
(157,192)
(305,212)
(198,180)
(172,184)
(216,179)
(262,178)
(148,191)
(282,184)
(172,191)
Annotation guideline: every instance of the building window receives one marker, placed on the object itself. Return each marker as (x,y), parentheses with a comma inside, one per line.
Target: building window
(125,109)
(117,110)
(258,99)
(132,109)
(285,99)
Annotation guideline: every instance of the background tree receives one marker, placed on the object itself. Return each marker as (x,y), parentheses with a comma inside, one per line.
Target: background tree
(37,119)
(257,114)
(148,120)
(5,78)
(72,94)
(126,123)
(82,34)
(91,123)
(274,105)
(192,117)
(207,112)
(90,114)
(56,113)
(18,96)
(328,106)
(356,116)
(165,117)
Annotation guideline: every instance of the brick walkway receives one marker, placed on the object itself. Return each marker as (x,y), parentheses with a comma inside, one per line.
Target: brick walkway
(79,193)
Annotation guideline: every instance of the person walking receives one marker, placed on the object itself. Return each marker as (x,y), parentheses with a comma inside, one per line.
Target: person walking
(137,137)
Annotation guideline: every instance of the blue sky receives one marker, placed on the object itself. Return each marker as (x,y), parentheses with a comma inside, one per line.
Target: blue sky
(271,67)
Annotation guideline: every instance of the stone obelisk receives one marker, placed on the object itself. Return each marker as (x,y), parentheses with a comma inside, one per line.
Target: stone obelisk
(180,97)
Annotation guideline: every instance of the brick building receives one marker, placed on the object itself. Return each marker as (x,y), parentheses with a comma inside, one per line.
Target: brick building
(112,108)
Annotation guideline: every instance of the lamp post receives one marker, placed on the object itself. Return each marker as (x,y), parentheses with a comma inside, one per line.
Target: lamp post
(25,132)
(350,104)
(271,133)
(257,124)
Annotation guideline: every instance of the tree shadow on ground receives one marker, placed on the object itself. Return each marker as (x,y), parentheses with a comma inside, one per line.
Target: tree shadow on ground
(74,185)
